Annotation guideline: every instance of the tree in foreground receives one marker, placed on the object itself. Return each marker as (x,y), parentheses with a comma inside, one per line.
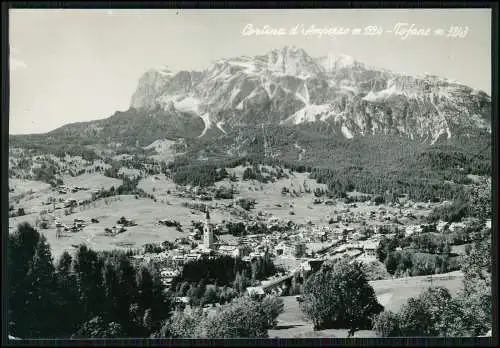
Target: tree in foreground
(91,295)
(273,307)
(183,324)
(244,317)
(31,284)
(339,296)
(386,324)
(97,328)
(434,313)
(476,297)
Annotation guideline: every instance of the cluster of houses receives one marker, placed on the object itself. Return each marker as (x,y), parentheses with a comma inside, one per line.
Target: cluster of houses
(345,234)
(120,226)
(248,248)
(381,215)
(64,189)
(366,248)
(440,227)
(77,226)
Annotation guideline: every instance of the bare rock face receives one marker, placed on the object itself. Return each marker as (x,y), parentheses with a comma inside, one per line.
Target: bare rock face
(287,86)
(151,86)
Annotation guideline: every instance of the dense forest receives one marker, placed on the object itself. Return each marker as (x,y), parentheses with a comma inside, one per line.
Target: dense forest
(389,166)
(99,294)
(223,270)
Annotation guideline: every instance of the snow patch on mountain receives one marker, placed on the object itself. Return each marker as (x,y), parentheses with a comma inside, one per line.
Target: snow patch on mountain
(349,88)
(180,102)
(235,93)
(267,86)
(248,65)
(303,95)
(206,119)
(250,96)
(219,125)
(309,113)
(346,132)
(306,95)
(381,95)
(165,71)
(188,104)
(437,135)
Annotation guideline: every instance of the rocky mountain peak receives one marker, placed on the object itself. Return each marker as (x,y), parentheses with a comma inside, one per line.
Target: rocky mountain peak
(288,86)
(333,62)
(294,61)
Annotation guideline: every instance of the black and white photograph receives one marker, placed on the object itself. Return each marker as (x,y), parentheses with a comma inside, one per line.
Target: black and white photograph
(242,174)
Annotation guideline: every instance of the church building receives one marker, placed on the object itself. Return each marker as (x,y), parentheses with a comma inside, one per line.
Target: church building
(208,234)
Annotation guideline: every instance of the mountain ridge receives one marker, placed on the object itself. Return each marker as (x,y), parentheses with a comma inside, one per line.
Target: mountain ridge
(287,86)
(334,94)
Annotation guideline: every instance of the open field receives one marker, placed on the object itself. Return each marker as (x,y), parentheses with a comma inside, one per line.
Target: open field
(142,211)
(145,212)
(32,203)
(458,249)
(92,181)
(292,324)
(268,197)
(390,293)
(21,186)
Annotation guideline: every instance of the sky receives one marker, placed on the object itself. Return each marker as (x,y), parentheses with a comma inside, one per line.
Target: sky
(79,65)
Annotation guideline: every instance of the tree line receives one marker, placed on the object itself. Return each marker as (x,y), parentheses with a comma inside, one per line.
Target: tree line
(418,254)
(436,312)
(89,294)
(223,271)
(243,317)
(372,164)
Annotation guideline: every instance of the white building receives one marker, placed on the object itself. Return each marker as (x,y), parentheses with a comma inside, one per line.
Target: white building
(456,225)
(257,290)
(256,254)
(283,249)
(229,250)
(440,227)
(370,248)
(208,234)
(488,225)
(412,229)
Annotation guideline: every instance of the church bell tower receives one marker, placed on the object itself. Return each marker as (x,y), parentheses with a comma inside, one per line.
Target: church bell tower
(208,235)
